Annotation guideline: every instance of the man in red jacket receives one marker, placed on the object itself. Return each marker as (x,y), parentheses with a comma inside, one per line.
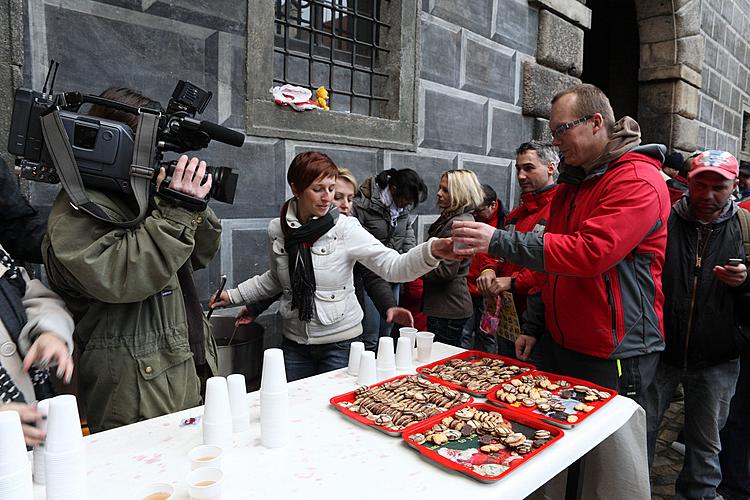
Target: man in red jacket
(491,212)
(602,250)
(536,164)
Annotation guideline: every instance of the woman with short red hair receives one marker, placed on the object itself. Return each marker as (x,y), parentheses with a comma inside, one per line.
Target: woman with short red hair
(313,253)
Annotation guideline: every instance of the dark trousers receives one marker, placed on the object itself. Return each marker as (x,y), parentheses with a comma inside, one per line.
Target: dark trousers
(302,361)
(735,440)
(631,378)
(447,331)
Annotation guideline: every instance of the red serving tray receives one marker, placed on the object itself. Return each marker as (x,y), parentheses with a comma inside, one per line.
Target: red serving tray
(508,414)
(351,396)
(467,355)
(532,411)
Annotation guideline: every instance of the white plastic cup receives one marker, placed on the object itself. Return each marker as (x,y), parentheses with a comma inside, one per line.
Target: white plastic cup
(355,351)
(217,409)
(218,434)
(39,450)
(274,419)
(13,456)
(238,402)
(63,425)
(155,489)
(205,483)
(404,352)
(386,358)
(205,456)
(408,331)
(273,378)
(367,374)
(424,346)
(17,485)
(65,475)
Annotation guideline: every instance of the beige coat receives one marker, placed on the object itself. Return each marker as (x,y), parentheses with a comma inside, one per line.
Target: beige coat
(45,312)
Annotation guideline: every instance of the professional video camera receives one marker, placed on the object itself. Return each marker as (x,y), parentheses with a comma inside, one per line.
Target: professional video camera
(54,143)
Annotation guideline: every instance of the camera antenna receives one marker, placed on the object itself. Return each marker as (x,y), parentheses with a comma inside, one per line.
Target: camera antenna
(54,75)
(46,80)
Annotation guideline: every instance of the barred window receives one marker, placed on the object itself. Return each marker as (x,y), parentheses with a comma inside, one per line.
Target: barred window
(336,44)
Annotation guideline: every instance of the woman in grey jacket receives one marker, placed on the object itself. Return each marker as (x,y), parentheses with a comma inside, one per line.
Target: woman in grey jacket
(446,300)
(382,205)
(313,253)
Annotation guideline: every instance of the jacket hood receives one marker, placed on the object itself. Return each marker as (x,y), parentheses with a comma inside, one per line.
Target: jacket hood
(370,196)
(682,208)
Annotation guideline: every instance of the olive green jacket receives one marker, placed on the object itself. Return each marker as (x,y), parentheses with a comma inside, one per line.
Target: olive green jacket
(121,286)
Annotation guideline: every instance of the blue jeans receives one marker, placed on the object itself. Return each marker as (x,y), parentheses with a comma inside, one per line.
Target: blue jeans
(735,439)
(708,393)
(447,331)
(472,337)
(302,361)
(374,325)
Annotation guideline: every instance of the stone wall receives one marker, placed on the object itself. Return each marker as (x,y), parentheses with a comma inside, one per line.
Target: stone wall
(725,26)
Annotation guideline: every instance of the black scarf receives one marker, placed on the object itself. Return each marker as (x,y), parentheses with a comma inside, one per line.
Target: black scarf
(297,242)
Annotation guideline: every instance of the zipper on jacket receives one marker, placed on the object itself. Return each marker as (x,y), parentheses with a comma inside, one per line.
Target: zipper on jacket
(700,248)
(611,301)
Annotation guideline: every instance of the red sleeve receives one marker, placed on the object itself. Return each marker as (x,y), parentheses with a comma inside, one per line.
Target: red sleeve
(621,219)
(525,280)
(485,261)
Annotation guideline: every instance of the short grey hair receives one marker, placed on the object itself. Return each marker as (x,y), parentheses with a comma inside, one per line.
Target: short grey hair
(546,152)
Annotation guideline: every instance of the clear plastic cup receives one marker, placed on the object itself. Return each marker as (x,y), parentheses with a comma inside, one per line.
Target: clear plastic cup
(355,351)
(424,346)
(273,378)
(408,331)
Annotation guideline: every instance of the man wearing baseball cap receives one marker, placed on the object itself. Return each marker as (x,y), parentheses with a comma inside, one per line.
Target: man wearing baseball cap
(704,271)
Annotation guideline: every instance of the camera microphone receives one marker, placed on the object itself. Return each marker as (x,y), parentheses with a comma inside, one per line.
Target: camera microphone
(222,134)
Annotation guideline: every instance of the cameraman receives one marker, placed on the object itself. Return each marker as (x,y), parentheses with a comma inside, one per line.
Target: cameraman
(144,342)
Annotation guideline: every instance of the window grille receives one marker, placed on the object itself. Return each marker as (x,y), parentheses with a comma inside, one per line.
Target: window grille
(337,44)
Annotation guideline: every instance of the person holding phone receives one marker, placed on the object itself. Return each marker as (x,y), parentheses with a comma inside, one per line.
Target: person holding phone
(704,271)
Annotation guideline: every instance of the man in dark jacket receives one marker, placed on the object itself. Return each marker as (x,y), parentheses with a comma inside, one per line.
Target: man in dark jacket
(602,249)
(704,339)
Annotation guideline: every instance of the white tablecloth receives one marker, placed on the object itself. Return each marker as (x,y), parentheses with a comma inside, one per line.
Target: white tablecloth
(329,455)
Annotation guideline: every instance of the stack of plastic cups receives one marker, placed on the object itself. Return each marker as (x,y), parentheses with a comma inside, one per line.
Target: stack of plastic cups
(386,361)
(404,353)
(410,332)
(355,351)
(39,450)
(15,469)
(274,401)
(217,414)
(65,457)
(367,374)
(238,402)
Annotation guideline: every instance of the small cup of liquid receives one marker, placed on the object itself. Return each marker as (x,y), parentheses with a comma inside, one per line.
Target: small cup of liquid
(206,455)
(157,491)
(205,483)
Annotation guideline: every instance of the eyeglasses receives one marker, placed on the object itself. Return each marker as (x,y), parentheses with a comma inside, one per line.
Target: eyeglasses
(560,131)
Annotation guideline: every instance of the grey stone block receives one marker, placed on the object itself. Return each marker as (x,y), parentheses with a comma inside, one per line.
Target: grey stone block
(475,15)
(690,51)
(488,69)
(497,175)
(684,133)
(509,130)
(516,25)
(714,84)
(701,144)
(540,84)
(687,19)
(430,168)
(541,131)
(574,11)
(250,254)
(441,52)
(657,29)
(706,108)
(454,122)
(261,186)
(559,44)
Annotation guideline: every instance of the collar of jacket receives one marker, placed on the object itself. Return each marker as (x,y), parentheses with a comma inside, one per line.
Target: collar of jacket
(577,175)
(291,214)
(682,208)
(536,200)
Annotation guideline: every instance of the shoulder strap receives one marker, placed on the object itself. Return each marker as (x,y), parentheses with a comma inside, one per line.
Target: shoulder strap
(744,216)
(141,170)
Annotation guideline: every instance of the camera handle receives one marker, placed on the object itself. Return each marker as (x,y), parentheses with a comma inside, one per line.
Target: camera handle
(141,171)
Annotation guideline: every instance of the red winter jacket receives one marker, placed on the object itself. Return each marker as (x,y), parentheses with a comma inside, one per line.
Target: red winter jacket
(603,250)
(482,261)
(530,215)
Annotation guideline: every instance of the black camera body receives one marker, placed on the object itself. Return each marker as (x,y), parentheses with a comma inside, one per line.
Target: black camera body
(103,149)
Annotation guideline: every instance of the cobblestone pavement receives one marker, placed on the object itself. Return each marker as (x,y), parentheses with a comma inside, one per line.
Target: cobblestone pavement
(668,462)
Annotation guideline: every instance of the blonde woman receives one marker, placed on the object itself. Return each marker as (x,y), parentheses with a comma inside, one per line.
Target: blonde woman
(446,300)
